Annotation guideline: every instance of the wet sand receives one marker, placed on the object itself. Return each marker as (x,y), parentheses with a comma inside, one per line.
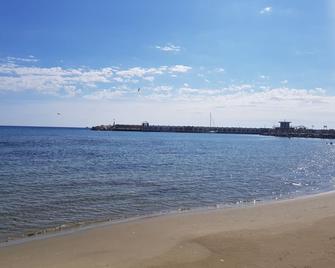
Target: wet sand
(293,233)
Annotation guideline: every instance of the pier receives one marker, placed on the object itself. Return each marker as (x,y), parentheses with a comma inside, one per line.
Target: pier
(284,130)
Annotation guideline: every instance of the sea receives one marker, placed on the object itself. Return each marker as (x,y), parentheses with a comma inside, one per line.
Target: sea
(54,178)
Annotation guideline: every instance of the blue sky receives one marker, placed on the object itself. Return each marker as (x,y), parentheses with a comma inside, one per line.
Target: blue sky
(249,63)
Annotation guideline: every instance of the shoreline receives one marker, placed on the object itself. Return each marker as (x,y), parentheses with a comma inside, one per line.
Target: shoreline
(70,228)
(191,237)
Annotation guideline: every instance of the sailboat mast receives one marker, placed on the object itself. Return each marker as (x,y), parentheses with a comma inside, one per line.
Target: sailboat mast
(210,119)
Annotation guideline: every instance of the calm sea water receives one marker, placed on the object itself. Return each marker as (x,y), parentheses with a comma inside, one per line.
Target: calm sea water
(55,176)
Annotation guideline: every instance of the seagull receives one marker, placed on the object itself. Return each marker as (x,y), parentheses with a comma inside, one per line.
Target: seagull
(58,113)
(138,90)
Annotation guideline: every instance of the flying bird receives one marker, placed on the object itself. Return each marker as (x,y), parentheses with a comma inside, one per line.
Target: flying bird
(139,89)
(58,113)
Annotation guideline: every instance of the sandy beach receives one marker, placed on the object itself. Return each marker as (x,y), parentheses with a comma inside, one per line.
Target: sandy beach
(292,233)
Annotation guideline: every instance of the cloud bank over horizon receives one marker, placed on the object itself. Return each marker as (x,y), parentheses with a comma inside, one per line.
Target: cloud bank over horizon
(161,95)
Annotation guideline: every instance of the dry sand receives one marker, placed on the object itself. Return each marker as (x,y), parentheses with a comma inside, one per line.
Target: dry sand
(293,233)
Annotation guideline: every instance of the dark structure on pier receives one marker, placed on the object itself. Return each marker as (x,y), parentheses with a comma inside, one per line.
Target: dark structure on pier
(284,130)
(284,125)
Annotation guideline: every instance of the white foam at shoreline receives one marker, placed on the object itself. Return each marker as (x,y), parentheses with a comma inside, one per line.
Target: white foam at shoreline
(79,227)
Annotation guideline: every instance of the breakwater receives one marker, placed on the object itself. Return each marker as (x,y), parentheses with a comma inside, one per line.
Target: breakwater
(278,131)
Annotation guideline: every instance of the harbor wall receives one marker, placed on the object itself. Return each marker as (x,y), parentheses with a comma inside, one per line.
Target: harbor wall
(291,132)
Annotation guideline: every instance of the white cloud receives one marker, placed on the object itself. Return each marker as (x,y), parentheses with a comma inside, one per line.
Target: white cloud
(246,95)
(53,80)
(111,84)
(288,95)
(118,79)
(149,78)
(220,70)
(199,91)
(163,89)
(72,81)
(264,77)
(238,88)
(104,94)
(30,58)
(274,96)
(136,72)
(179,69)
(266,10)
(240,108)
(169,48)
(145,72)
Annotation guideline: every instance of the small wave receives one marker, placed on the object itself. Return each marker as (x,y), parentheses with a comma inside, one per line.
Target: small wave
(298,184)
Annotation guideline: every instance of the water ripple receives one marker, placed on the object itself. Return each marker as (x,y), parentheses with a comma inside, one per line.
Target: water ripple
(57,177)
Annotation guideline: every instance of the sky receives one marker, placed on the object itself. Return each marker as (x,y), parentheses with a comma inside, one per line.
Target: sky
(248,63)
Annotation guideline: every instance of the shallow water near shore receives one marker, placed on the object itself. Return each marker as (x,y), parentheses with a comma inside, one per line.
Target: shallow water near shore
(53,177)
